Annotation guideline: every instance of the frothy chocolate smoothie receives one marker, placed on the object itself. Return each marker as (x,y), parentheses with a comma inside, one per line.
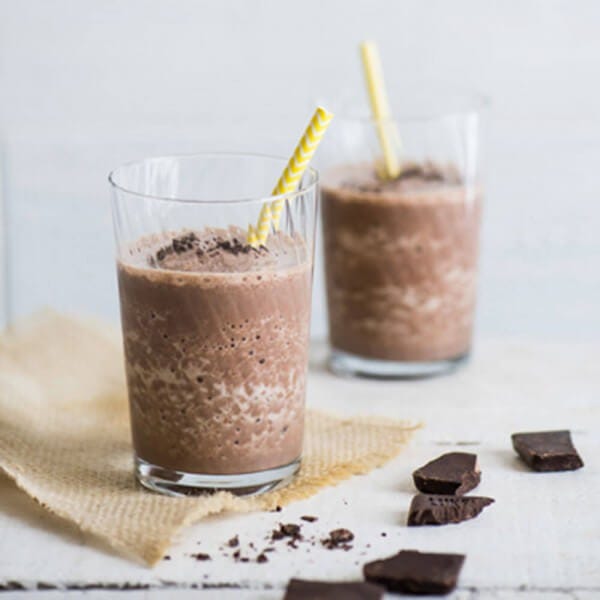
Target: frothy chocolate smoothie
(216,341)
(401,261)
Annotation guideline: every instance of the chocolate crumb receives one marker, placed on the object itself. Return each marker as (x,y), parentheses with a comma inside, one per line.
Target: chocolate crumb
(236,554)
(278,509)
(167,557)
(383,534)
(262,558)
(234,542)
(309,519)
(235,247)
(184,243)
(244,559)
(338,538)
(290,529)
(201,556)
(287,530)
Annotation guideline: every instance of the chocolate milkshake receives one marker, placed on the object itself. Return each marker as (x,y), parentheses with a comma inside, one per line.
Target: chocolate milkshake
(401,262)
(216,341)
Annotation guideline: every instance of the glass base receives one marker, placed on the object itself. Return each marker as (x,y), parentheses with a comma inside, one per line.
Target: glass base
(350,365)
(178,483)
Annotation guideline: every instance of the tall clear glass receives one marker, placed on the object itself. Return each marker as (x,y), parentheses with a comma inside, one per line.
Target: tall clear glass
(215,330)
(401,252)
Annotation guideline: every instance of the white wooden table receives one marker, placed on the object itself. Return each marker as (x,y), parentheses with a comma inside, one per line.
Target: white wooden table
(540,540)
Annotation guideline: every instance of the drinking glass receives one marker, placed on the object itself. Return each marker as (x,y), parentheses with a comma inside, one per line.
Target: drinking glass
(215,329)
(401,255)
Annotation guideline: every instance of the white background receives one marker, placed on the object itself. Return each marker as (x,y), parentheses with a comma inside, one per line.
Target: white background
(87,84)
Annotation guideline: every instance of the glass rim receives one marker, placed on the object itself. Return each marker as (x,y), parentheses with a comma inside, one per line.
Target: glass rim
(310,185)
(471,102)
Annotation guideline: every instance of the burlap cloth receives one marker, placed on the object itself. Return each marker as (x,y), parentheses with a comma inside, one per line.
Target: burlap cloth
(64,439)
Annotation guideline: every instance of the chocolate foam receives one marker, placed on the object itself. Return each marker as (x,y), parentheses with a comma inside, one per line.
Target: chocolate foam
(416,181)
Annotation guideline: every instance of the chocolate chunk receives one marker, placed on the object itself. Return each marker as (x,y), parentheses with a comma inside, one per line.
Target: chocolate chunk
(309,519)
(436,509)
(547,450)
(234,542)
(338,538)
(413,572)
(451,473)
(201,556)
(262,558)
(300,589)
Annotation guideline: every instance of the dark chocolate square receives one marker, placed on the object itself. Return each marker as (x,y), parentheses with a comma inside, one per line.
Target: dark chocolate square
(438,509)
(413,572)
(547,450)
(301,589)
(451,473)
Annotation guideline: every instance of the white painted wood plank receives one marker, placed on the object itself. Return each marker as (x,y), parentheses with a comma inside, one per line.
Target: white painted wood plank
(541,535)
(483,594)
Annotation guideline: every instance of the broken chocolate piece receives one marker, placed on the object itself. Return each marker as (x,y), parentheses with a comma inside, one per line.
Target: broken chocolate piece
(547,450)
(300,589)
(234,542)
(262,558)
(438,509)
(451,473)
(415,572)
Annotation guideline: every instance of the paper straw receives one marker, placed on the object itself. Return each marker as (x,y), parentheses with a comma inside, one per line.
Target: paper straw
(381,108)
(264,224)
(293,172)
(252,236)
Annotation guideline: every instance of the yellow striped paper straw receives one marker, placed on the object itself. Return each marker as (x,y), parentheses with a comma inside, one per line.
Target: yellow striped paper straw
(252,236)
(293,172)
(264,224)
(380,107)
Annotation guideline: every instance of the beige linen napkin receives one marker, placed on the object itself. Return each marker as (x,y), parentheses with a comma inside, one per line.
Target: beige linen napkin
(64,439)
